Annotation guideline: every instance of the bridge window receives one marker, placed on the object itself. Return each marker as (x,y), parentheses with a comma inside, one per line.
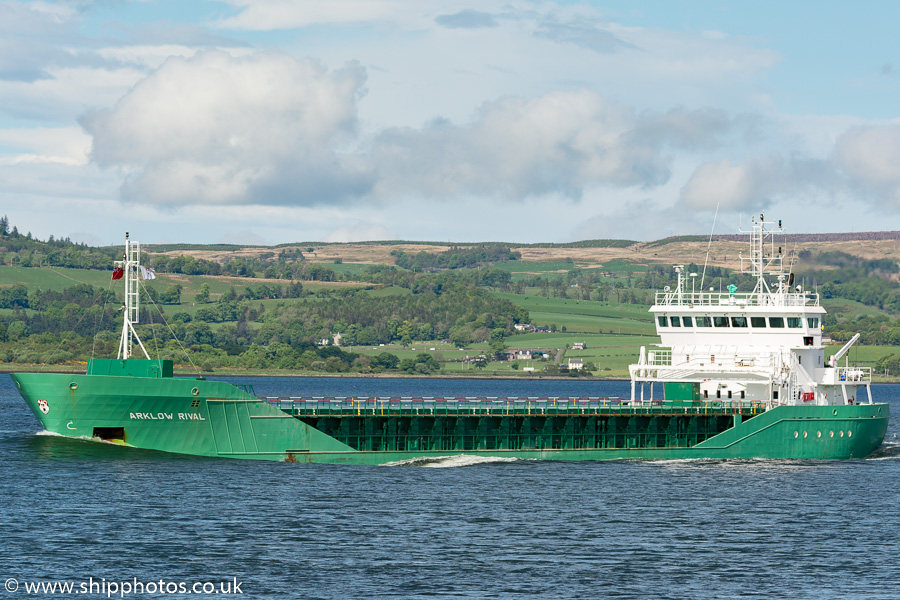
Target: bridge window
(720,321)
(738,321)
(757,321)
(663,321)
(776,322)
(676,322)
(813,322)
(688,322)
(704,322)
(795,322)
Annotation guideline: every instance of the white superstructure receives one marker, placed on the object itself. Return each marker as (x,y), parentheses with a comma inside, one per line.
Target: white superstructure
(763,346)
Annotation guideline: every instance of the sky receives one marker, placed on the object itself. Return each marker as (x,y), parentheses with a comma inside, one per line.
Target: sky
(278,121)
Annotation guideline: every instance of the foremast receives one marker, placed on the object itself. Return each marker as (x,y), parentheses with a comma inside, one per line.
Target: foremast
(131,265)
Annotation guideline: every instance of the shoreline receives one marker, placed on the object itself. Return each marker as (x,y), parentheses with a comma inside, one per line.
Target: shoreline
(31,368)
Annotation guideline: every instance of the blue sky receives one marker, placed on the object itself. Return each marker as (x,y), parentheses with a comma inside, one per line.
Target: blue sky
(271,121)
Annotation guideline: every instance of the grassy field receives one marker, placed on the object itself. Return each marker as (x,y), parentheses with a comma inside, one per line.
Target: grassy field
(585,316)
(851,308)
(58,279)
(579,307)
(53,278)
(520,269)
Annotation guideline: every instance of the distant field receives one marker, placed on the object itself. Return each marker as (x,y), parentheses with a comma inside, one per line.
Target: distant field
(52,278)
(585,316)
(389,291)
(351,269)
(840,306)
(58,278)
(521,269)
(579,307)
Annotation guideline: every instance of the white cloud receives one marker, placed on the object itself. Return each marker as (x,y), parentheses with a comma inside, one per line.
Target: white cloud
(271,129)
(854,164)
(466,19)
(558,143)
(145,56)
(66,92)
(553,106)
(216,129)
(265,15)
(869,155)
(723,183)
(30,39)
(65,145)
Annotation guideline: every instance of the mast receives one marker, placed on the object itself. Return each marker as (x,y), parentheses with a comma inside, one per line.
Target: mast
(763,256)
(131,265)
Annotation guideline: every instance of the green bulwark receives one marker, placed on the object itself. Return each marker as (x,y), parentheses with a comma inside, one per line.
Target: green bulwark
(129,368)
(682,391)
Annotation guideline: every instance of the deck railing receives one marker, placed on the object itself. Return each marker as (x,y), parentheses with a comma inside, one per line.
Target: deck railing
(726,299)
(855,374)
(710,358)
(500,406)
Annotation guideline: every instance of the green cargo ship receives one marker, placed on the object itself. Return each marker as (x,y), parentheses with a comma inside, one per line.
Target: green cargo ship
(742,375)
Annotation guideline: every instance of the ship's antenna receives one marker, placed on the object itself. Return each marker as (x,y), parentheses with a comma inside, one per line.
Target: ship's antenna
(709,245)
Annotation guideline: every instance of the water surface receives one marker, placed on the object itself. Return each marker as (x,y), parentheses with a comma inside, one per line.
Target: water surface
(463,528)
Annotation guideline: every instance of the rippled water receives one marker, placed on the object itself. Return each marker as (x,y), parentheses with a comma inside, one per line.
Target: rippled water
(475,529)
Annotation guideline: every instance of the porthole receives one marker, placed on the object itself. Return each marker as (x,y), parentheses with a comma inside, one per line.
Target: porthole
(73,386)
(849,434)
(834,412)
(818,434)
(195,391)
(796,434)
(831,434)
(842,434)
(805,434)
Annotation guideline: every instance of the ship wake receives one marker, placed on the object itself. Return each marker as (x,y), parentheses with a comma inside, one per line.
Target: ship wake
(443,462)
(887,451)
(84,438)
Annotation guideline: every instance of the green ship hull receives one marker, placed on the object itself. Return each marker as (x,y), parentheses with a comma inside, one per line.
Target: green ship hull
(138,403)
